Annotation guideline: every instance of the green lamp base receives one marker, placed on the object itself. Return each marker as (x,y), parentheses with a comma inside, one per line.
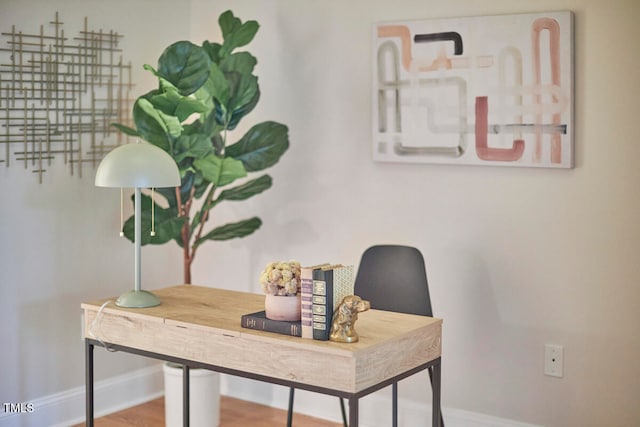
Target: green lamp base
(137,299)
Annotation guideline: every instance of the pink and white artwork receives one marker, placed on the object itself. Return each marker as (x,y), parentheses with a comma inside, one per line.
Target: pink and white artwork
(490,90)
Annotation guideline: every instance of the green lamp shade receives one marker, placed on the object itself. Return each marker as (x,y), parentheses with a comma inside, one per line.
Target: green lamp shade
(141,165)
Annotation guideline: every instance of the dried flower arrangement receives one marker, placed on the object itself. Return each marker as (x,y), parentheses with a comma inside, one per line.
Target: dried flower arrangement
(281,278)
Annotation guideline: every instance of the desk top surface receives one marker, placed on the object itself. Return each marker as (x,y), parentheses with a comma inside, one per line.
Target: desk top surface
(198,307)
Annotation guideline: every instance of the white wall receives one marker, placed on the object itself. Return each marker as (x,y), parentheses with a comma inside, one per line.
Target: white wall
(59,242)
(516,257)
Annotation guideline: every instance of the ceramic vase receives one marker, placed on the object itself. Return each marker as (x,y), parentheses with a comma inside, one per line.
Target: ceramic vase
(282,307)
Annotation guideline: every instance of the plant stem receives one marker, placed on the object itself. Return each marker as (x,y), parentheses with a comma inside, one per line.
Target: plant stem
(189,257)
(184,234)
(203,218)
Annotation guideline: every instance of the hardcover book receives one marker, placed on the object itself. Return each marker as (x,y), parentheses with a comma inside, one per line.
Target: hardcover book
(259,322)
(330,285)
(306,298)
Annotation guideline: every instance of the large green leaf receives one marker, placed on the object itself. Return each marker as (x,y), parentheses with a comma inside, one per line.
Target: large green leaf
(244,96)
(210,126)
(165,101)
(196,146)
(241,62)
(174,104)
(232,230)
(228,23)
(155,126)
(167,224)
(213,50)
(235,33)
(261,147)
(203,95)
(198,127)
(218,170)
(188,106)
(246,190)
(242,110)
(163,84)
(216,90)
(185,65)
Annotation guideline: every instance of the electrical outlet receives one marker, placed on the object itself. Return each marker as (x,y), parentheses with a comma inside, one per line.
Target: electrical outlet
(553,360)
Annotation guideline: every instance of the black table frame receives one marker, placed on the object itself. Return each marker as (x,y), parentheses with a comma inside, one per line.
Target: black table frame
(434,367)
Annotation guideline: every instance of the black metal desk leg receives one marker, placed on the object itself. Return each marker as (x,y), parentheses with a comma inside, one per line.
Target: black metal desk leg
(436,386)
(292,392)
(88,354)
(394,397)
(353,412)
(185,396)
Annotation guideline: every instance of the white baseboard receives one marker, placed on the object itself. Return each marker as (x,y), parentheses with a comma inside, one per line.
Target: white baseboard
(123,391)
(68,407)
(375,409)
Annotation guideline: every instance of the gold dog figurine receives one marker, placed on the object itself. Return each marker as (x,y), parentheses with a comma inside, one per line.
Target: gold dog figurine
(344,319)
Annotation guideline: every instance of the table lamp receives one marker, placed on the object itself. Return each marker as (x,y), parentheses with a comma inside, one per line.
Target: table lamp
(138,165)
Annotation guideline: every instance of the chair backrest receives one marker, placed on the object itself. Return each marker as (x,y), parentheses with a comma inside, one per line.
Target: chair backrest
(394,278)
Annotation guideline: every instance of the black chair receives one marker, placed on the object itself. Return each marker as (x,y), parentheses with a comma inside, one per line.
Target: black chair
(392,278)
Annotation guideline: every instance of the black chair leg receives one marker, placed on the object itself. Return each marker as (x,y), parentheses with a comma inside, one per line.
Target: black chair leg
(430,370)
(290,412)
(344,413)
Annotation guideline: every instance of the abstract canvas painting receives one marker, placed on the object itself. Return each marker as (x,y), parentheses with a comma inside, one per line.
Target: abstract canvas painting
(490,90)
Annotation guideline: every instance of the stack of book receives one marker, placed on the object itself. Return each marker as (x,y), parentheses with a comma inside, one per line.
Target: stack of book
(330,285)
(322,289)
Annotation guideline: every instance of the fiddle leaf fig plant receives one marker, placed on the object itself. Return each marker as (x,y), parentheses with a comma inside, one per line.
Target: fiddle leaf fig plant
(203,93)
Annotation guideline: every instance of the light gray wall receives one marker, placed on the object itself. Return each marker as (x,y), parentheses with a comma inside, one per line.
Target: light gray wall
(59,242)
(516,257)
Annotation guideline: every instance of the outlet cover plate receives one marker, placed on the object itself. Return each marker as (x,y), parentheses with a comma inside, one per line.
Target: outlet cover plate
(553,360)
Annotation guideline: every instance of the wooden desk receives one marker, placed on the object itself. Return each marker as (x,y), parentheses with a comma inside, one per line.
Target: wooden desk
(200,327)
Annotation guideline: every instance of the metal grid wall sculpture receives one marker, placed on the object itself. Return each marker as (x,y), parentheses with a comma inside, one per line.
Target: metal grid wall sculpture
(59,95)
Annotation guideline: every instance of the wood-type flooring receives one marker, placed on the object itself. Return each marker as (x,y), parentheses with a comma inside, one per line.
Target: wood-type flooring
(233,413)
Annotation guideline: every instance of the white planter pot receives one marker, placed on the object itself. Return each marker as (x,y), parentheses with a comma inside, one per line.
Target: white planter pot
(285,308)
(204,397)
